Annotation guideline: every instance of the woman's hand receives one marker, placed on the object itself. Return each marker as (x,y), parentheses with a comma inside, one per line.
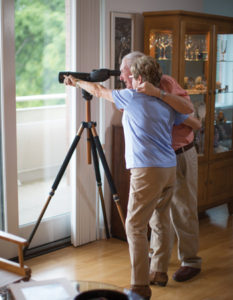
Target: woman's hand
(148,89)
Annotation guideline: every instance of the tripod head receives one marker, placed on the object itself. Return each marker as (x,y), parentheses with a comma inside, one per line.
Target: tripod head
(99,75)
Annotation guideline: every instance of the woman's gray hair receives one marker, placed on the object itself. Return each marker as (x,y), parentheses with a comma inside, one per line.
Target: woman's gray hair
(149,70)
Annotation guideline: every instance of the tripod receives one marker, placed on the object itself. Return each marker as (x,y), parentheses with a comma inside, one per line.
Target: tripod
(93,145)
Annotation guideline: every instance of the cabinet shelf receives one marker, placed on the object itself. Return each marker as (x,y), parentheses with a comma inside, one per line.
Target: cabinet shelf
(224,61)
(196,92)
(226,122)
(224,107)
(223,93)
(196,60)
(164,59)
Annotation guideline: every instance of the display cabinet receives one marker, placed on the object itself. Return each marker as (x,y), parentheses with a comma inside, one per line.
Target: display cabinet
(197,50)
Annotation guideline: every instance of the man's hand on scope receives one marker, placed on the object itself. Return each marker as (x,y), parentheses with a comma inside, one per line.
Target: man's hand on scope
(92,88)
(73,81)
(70,80)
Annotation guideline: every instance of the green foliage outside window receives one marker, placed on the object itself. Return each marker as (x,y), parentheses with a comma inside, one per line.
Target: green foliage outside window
(39,48)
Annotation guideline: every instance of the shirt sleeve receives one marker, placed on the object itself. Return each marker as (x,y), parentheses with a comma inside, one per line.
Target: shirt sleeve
(122,98)
(180,118)
(170,85)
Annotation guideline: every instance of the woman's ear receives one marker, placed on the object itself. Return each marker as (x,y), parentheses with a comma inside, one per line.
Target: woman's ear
(139,79)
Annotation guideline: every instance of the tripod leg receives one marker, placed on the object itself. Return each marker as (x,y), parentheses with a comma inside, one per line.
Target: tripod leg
(56,182)
(108,175)
(99,183)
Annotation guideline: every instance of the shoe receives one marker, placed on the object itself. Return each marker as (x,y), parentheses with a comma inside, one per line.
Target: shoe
(185,273)
(142,290)
(158,278)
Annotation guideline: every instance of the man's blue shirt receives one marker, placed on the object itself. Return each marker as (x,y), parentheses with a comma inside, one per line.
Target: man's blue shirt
(147,123)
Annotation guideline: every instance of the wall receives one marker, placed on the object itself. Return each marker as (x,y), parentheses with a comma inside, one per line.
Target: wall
(216,7)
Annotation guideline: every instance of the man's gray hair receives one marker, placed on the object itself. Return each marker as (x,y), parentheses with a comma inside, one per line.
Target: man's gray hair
(131,57)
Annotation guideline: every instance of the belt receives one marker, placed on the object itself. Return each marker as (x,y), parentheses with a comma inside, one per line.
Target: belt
(185,148)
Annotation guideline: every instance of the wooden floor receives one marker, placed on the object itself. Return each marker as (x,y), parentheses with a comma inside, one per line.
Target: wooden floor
(108,261)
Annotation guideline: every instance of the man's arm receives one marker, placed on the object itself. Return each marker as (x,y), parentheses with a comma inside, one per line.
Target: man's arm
(178,103)
(192,122)
(94,89)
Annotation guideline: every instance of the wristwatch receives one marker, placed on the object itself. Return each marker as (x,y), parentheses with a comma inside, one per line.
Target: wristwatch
(162,94)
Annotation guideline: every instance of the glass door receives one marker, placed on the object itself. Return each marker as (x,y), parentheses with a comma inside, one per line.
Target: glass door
(223,109)
(42,118)
(196,79)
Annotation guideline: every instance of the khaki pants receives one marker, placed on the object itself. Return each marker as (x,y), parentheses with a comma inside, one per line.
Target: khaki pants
(150,191)
(184,217)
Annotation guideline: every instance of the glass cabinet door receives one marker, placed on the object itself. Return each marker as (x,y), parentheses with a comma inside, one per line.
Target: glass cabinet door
(223,133)
(196,80)
(160,47)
